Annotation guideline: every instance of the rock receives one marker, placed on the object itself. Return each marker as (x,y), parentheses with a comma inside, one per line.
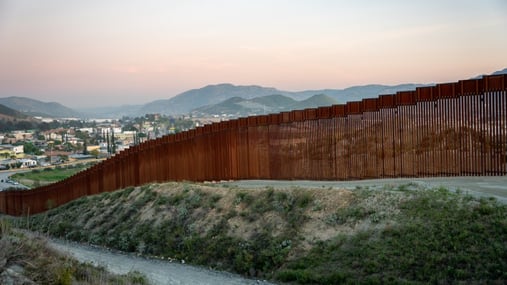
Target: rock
(13,275)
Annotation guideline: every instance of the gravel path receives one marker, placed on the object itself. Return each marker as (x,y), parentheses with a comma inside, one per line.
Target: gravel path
(478,186)
(157,271)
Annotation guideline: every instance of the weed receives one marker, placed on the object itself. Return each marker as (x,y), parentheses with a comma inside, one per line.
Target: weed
(243,197)
(213,200)
(432,230)
(5,227)
(231,214)
(162,200)
(42,265)
(317,205)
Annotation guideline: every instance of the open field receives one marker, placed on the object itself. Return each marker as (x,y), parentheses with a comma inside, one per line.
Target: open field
(48,175)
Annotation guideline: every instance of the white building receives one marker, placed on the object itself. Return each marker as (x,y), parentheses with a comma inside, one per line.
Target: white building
(28,163)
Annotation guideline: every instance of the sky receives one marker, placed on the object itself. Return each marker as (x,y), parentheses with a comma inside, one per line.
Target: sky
(105,52)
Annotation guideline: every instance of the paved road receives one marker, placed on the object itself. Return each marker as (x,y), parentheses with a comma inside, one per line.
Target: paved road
(480,186)
(157,271)
(4,175)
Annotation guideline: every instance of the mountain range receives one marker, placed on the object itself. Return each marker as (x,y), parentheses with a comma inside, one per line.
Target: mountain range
(217,99)
(187,102)
(193,100)
(241,107)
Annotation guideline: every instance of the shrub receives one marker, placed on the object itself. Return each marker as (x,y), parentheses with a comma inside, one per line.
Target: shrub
(243,197)
(5,227)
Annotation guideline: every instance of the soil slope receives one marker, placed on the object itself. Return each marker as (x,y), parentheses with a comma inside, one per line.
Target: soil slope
(399,233)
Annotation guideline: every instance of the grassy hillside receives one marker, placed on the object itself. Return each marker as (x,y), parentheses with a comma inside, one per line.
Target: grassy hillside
(304,236)
(8,113)
(38,108)
(263,105)
(315,101)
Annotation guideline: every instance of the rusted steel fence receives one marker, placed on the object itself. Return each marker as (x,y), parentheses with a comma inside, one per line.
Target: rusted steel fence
(444,130)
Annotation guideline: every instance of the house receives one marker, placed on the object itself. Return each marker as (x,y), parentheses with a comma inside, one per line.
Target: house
(28,163)
(11,150)
(87,130)
(78,156)
(22,135)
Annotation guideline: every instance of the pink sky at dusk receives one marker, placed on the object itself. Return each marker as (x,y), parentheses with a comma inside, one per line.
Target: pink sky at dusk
(93,53)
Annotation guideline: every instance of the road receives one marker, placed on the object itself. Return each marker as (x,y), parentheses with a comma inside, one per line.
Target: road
(157,271)
(478,186)
(4,175)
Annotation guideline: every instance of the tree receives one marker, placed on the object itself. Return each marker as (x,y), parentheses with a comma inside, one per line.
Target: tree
(138,138)
(113,142)
(30,148)
(108,144)
(85,148)
(95,153)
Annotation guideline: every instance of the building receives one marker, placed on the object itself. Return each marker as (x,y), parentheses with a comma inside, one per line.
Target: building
(11,150)
(28,163)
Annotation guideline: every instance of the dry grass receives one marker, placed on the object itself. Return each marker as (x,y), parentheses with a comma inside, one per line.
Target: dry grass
(301,233)
(26,259)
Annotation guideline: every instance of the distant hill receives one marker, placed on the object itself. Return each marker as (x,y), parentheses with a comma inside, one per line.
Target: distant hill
(108,112)
(9,114)
(195,98)
(358,93)
(38,108)
(503,71)
(209,95)
(499,72)
(240,107)
(315,101)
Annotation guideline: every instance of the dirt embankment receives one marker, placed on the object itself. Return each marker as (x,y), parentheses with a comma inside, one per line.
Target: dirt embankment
(304,235)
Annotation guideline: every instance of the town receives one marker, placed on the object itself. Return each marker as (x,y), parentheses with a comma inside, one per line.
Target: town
(52,141)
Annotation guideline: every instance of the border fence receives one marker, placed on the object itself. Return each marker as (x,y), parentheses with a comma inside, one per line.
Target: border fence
(451,129)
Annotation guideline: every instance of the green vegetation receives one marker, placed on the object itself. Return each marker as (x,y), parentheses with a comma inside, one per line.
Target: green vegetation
(43,265)
(30,148)
(48,175)
(305,236)
(440,237)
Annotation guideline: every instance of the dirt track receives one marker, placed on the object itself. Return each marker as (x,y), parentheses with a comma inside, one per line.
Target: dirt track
(481,186)
(157,271)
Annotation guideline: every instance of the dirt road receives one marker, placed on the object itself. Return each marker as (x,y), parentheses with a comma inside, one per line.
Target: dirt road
(157,271)
(480,186)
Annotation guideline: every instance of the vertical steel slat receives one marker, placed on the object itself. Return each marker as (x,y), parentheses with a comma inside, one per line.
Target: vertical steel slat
(449,129)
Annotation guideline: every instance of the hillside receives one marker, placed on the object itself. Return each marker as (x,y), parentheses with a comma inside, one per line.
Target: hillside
(499,72)
(211,94)
(108,112)
(38,108)
(315,101)
(195,98)
(9,114)
(240,107)
(405,234)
